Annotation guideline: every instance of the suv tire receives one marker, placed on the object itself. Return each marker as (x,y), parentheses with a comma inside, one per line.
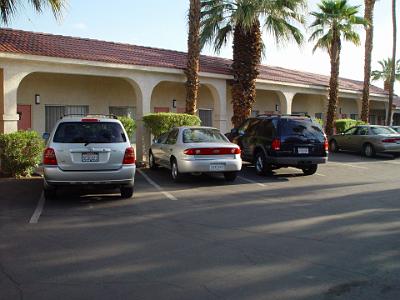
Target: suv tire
(126,192)
(310,170)
(230,176)
(176,175)
(261,164)
(152,162)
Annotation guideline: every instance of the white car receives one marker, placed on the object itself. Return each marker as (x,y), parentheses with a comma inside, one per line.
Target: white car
(195,150)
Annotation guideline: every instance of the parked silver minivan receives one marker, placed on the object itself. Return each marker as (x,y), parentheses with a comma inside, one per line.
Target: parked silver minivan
(88,151)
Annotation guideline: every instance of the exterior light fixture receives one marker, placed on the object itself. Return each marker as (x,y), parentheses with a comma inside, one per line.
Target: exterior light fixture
(174,103)
(37,99)
(276,107)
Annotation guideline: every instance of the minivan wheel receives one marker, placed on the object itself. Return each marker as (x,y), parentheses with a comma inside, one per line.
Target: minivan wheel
(152,162)
(230,176)
(333,146)
(310,170)
(261,164)
(176,175)
(126,192)
(369,150)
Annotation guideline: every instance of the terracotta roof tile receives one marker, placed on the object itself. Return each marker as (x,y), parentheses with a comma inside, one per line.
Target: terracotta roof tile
(25,42)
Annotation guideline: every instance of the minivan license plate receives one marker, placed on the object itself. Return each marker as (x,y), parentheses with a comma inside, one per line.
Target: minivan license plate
(90,157)
(302,150)
(217,167)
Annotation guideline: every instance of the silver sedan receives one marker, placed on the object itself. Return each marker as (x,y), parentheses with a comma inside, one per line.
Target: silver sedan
(367,139)
(195,150)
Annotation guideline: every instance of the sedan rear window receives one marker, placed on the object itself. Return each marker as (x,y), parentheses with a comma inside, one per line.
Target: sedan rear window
(382,130)
(301,127)
(89,132)
(203,135)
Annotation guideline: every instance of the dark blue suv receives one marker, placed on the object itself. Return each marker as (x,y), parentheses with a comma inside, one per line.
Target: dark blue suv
(273,142)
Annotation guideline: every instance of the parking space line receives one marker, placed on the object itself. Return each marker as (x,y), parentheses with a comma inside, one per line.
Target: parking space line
(38,211)
(252,181)
(149,180)
(319,174)
(347,165)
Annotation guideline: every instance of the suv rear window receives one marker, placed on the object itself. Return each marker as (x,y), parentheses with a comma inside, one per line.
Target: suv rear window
(301,127)
(89,132)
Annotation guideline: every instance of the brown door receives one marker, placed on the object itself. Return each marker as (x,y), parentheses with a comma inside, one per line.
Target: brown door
(24,112)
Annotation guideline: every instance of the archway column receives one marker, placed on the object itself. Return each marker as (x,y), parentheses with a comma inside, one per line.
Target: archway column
(286,99)
(219,94)
(9,82)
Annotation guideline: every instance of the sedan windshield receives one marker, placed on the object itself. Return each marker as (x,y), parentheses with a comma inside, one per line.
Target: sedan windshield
(382,130)
(203,135)
(86,132)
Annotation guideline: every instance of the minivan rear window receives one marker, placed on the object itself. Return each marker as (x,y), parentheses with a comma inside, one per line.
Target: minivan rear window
(303,128)
(89,132)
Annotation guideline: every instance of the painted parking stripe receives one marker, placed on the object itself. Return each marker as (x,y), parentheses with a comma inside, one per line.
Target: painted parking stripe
(38,211)
(319,174)
(149,180)
(347,165)
(252,181)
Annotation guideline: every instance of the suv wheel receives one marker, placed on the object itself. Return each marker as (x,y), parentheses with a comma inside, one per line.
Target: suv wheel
(333,146)
(310,170)
(152,162)
(126,192)
(262,166)
(369,150)
(230,176)
(176,175)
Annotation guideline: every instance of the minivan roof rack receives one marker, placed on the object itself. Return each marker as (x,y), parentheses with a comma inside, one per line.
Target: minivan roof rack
(90,115)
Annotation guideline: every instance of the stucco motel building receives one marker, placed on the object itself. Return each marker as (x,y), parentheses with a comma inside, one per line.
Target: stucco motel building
(44,76)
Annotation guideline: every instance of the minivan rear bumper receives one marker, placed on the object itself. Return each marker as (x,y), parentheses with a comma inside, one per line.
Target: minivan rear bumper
(54,176)
(297,161)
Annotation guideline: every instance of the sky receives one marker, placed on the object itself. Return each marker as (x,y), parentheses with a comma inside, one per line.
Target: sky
(163,24)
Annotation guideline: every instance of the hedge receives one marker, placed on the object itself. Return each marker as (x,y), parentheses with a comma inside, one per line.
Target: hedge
(344,124)
(129,125)
(159,123)
(20,152)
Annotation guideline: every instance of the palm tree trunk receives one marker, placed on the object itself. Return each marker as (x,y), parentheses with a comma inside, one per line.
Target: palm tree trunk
(369,31)
(193,57)
(246,58)
(392,75)
(333,82)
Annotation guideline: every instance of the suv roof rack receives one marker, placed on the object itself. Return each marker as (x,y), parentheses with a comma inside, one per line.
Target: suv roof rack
(90,115)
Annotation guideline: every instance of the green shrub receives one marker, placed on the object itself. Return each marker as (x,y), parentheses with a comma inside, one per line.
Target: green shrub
(343,124)
(129,125)
(158,123)
(319,121)
(20,152)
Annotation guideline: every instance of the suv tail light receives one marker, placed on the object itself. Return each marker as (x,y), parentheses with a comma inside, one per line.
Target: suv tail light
(49,157)
(276,144)
(326,145)
(211,151)
(129,157)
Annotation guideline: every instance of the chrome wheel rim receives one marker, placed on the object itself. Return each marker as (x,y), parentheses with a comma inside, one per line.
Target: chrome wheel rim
(368,150)
(259,164)
(174,170)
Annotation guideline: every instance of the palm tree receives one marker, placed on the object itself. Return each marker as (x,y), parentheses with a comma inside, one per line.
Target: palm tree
(385,72)
(222,19)
(369,31)
(392,74)
(334,21)
(8,8)
(193,57)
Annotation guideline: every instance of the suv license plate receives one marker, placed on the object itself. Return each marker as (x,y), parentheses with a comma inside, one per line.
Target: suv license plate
(217,167)
(90,157)
(302,150)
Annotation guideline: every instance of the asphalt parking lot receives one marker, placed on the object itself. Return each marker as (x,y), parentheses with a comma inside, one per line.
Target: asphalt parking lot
(333,235)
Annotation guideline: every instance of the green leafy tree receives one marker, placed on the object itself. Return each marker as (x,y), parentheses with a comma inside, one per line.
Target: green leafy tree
(244,20)
(335,20)
(8,8)
(385,72)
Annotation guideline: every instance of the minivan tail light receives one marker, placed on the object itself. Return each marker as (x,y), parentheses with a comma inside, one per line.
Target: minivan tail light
(129,157)
(49,157)
(211,151)
(276,144)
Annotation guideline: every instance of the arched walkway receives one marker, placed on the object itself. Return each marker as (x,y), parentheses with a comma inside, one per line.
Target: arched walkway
(312,105)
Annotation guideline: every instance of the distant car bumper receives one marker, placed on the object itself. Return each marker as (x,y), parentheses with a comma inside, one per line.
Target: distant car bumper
(54,176)
(209,165)
(297,161)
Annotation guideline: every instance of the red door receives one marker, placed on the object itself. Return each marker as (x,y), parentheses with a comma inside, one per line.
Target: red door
(24,112)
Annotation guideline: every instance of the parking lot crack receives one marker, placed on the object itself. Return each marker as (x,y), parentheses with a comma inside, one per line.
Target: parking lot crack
(212,293)
(13,281)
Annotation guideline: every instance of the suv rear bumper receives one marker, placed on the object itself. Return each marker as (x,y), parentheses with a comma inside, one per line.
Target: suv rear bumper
(54,176)
(297,161)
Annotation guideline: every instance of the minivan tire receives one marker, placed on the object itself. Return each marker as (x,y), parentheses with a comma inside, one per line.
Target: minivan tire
(310,170)
(126,192)
(230,176)
(261,164)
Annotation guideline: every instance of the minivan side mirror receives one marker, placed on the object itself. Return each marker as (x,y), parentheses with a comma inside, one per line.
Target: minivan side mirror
(46,135)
